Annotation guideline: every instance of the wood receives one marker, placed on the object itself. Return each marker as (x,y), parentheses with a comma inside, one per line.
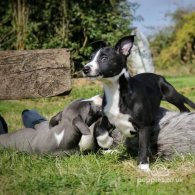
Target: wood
(34,73)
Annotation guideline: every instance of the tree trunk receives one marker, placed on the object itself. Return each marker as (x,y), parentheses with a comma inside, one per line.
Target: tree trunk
(20,16)
(65,21)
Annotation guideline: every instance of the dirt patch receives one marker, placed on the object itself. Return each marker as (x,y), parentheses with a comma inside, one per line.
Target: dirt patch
(80,82)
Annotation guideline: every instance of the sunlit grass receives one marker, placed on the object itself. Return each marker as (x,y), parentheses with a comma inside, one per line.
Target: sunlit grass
(22,173)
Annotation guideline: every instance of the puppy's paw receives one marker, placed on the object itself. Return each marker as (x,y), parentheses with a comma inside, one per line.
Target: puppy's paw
(144,167)
(105,141)
(86,142)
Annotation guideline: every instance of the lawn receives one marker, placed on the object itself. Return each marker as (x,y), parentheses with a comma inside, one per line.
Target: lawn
(21,173)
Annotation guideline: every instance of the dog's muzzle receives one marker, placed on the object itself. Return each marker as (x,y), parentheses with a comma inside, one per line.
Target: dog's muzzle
(90,71)
(86,70)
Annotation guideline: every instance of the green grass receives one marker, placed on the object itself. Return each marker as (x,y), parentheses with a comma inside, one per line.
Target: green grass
(22,173)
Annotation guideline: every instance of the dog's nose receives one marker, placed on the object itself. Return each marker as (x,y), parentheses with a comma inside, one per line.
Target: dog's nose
(86,69)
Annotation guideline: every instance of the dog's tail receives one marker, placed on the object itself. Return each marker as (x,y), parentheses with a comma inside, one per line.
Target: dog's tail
(179,101)
(182,101)
(171,95)
(3,126)
(189,102)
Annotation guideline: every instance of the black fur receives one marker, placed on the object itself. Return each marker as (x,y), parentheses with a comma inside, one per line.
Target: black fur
(3,126)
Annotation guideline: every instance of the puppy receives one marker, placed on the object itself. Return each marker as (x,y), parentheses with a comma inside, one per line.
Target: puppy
(64,136)
(130,103)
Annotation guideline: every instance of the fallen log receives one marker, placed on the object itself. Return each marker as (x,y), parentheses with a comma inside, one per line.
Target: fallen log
(34,73)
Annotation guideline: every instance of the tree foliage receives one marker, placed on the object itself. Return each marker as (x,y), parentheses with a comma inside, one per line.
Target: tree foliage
(71,24)
(175,45)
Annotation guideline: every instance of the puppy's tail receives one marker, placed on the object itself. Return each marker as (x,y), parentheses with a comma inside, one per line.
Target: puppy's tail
(189,102)
(3,126)
(181,101)
(170,94)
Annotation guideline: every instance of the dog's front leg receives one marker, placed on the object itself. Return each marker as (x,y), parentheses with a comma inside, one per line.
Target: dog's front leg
(143,154)
(102,133)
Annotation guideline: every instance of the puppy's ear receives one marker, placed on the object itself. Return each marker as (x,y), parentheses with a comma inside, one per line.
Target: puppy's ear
(55,120)
(124,45)
(96,45)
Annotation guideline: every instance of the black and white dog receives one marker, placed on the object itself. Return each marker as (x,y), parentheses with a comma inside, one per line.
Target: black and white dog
(129,101)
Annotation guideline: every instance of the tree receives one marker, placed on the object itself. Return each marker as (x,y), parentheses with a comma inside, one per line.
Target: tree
(175,45)
(71,24)
(20,20)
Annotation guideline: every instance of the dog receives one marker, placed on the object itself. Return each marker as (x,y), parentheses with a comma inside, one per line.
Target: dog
(173,133)
(63,134)
(130,103)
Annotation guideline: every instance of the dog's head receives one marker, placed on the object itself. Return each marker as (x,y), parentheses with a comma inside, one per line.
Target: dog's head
(92,109)
(107,61)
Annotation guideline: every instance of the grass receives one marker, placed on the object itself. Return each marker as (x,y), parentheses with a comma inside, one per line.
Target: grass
(22,173)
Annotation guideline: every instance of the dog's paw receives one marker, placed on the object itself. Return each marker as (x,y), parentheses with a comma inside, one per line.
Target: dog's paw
(144,167)
(105,141)
(86,142)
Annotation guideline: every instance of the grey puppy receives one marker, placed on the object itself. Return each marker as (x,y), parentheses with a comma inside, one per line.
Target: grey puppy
(64,132)
(173,133)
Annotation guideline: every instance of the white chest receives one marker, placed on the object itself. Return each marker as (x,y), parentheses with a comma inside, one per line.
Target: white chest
(112,111)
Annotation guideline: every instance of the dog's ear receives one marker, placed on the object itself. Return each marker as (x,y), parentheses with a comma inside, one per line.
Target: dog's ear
(96,45)
(124,45)
(55,120)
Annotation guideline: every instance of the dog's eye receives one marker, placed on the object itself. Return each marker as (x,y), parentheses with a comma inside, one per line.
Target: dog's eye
(104,58)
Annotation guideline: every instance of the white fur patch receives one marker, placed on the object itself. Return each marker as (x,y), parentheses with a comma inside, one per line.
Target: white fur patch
(144,167)
(94,65)
(105,141)
(97,100)
(59,137)
(112,111)
(86,142)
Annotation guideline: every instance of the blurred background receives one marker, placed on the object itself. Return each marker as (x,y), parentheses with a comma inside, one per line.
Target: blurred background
(169,26)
